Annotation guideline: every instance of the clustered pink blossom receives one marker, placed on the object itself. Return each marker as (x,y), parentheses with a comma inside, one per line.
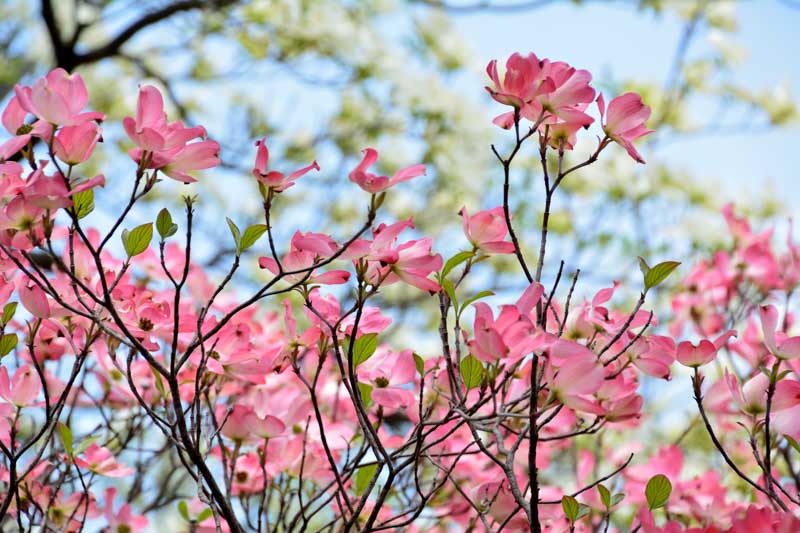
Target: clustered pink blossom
(123,361)
(555,96)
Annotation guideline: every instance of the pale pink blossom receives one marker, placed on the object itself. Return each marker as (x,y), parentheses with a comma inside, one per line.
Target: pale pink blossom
(273,179)
(625,121)
(486,230)
(23,389)
(694,356)
(74,144)
(57,98)
(101,461)
(374,183)
(779,344)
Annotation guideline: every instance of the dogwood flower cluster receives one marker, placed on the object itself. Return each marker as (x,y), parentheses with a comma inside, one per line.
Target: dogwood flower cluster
(135,381)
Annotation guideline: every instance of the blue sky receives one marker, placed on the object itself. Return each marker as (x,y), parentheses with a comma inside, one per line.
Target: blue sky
(613,39)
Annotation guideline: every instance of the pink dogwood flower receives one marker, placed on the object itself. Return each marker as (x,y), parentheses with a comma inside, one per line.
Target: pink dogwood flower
(178,162)
(34,300)
(694,356)
(150,130)
(23,389)
(307,249)
(388,262)
(14,121)
(242,424)
(751,397)
(74,144)
(486,230)
(522,81)
(21,214)
(778,343)
(786,406)
(123,519)
(162,145)
(57,98)
(564,96)
(512,335)
(100,460)
(273,179)
(389,374)
(579,375)
(625,122)
(373,183)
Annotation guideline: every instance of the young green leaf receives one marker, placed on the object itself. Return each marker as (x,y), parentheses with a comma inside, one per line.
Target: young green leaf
(83,203)
(571,507)
(237,235)
(605,495)
(207,512)
(183,509)
(657,491)
(450,290)
(473,299)
(251,235)
(643,266)
(454,261)
(616,498)
(659,273)
(66,438)
(159,384)
(419,362)
(7,343)
(164,224)
(138,239)
(363,476)
(471,372)
(366,393)
(364,347)
(8,312)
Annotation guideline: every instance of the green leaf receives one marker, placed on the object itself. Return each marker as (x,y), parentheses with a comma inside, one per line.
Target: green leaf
(659,273)
(616,498)
(207,512)
(364,347)
(657,491)
(237,235)
(138,239)
(159,384)
(251,235)
(643,266)
(571,508)
(66,438)
(419,362)
(450,290)
(363,476)
(8,312)
(183,509)
(471,372)
(83,203)
(164,224)
(366,393)
(475,298)
(7,343)
(605,495)
(454,261)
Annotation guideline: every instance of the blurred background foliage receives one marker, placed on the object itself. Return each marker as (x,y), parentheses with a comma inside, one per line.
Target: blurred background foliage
(325,78)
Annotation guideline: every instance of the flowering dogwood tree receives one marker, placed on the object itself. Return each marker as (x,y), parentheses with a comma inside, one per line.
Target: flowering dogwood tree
(134,383)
